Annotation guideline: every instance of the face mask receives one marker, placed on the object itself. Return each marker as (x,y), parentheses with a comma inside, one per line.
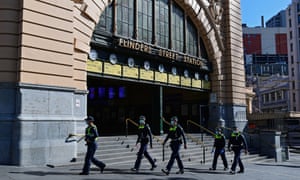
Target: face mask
(172,123)
(142,122)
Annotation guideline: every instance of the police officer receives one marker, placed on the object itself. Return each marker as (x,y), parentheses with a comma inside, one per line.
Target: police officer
(236,143)
(176,134)
(219,149)
(91,135)
(144,137)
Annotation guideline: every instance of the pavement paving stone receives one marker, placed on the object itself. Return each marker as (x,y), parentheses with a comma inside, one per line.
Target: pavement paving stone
(288,170)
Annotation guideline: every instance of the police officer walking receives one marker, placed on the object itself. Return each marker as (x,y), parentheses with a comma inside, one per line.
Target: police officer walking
(176,134)
(91,135)
(144,137)
(219,149)
(236,143)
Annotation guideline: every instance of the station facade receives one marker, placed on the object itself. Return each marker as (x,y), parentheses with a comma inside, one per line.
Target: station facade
(114,59)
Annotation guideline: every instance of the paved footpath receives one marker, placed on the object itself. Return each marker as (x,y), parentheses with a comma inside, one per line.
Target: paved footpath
(289,170)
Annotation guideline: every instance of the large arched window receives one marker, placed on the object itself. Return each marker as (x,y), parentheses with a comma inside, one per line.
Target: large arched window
(145,20)
(105,22)
(166,25)
(125,17)
(162,23)
(191,41)
(177,29)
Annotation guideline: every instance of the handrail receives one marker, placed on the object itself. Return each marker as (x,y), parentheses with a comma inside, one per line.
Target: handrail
(166,122)
(190,136)
(198,125)
(136,124)
(132,122)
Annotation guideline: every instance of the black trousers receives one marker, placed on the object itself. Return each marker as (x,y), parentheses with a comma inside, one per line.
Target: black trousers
(175,147)
(219,151)
(143,151)
(89,157)
(237,159)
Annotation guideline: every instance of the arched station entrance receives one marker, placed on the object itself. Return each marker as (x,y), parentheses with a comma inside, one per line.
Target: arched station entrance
(147,57)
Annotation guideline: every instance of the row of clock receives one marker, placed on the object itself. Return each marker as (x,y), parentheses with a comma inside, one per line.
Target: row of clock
(113,59)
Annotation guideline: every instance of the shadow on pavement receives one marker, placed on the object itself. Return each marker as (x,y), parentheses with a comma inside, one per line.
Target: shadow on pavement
(43,173)
(281,165)
(206,171)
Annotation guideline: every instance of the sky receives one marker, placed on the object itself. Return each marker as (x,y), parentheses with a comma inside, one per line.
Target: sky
(252,10)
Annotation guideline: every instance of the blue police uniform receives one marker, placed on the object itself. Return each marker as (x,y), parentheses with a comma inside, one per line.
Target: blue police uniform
(91,135)
(176,134)
(237,142)
(144,137)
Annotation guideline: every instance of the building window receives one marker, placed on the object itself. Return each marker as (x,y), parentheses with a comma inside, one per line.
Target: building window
(294,108)
(145,20)
(298,19)
(266,97)
(290,23)
(279,95)
(294,97)
(291,47)
(177,28)
(292,59)
(289,11)
(273,96)
(162,23)
(293,85)
(105,22)
(291,35)
(293,72)
(298,7)
(191,39)
(125,18)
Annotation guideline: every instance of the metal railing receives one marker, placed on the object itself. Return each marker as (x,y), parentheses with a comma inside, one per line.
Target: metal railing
(127,121)
(132,122)
(188,122)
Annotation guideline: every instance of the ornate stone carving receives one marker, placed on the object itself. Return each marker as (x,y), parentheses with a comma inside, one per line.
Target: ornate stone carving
(215,10)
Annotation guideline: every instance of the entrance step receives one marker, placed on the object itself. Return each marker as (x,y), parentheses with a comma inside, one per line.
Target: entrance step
(121,150)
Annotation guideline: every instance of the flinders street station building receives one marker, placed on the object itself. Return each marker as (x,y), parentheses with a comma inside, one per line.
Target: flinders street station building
(61,60)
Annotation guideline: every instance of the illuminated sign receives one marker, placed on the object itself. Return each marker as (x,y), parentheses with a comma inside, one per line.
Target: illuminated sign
(196,83)
(94,66)
(161,77)
(130,72)
(146,75)
(112,69)
(173,79)
(185,81)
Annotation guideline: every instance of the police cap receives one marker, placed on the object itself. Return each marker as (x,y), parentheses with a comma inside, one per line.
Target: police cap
(90,118)
(174,118)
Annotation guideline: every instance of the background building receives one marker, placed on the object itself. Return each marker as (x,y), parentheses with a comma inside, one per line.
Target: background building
(293,28)
(279,20)
(47,83)
(272,94)
(265,53)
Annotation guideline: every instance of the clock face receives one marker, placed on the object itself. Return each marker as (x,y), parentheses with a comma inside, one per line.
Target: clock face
(174,70)
(161,68)
(130,62)
(113,58)
(186,73)
(197,76)
(147,65)
(93,54)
